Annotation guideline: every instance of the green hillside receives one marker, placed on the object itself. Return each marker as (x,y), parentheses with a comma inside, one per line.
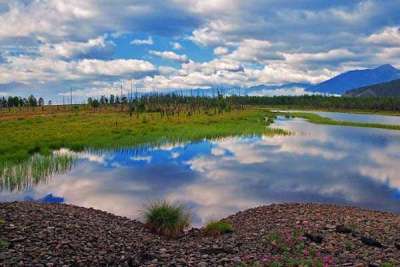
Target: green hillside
(387,89)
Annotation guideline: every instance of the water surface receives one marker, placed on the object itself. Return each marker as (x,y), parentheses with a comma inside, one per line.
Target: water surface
(340,116)
(215,178)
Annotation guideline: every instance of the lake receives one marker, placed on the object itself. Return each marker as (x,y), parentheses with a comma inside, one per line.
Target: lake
(340,116)
(215,178)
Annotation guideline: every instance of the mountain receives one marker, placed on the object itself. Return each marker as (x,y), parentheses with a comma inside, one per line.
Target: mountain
(388,89)
(356,79)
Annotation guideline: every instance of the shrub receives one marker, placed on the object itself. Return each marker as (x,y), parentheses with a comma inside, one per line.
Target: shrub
(218,228)
(167,218)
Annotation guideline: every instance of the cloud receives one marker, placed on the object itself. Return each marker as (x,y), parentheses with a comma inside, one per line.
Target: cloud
(388,36)
(332,56)
(219,51)
(176,45)
(56,44)
(252,50)
(148,41)
(170,55)
(297,91)
(73,19)
(113,67)
(205,36)
(94,48)
(27,69)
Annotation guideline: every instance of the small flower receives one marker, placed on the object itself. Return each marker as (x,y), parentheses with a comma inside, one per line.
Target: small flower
(306,253)
(327,261)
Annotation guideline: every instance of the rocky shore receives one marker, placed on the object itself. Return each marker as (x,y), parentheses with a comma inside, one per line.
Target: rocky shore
(63,235)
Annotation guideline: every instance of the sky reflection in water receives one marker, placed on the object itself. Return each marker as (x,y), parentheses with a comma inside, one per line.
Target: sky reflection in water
(382,119)
(329,164)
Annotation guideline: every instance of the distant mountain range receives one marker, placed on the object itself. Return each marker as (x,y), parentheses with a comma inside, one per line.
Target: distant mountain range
(356,79)
(391,88)
(339,84)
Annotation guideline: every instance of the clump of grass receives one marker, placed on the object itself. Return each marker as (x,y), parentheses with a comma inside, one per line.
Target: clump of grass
(3,244)
(166,218)
(215,228)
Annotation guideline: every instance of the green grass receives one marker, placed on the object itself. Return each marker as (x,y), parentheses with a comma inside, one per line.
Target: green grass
(23,137)
(314,118)
(167,218)
(215,228)
(33,170)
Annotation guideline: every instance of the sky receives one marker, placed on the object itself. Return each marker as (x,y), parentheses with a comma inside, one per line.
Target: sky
(48,48)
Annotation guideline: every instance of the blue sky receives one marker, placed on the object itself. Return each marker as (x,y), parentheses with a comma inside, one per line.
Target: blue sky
(48,47)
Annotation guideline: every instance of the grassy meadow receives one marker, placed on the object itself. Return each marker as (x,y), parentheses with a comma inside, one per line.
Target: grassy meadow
(25,135)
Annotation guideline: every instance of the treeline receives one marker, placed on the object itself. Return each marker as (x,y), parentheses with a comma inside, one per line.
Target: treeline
(175,103)
(322,102)
(165,104)
(171,104)
(16,101)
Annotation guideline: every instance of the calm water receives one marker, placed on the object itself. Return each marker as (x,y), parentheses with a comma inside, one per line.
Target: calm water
(330,164)
(382,119)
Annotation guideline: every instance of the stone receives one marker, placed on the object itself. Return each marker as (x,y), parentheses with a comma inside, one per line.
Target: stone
(343,229)
(314,237)
(370,242)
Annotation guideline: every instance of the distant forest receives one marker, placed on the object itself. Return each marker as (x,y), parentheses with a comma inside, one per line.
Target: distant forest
(324,102)
(16,101)
(387,89)
(156,101)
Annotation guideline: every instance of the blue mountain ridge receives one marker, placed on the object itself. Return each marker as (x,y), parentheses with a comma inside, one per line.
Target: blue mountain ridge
(356,79)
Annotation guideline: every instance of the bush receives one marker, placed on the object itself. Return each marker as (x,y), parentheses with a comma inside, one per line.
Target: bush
(167,218)
(218,228)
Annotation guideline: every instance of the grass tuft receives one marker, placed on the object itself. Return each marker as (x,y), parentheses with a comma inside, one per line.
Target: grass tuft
(215,228)
(3,244)
(166,218)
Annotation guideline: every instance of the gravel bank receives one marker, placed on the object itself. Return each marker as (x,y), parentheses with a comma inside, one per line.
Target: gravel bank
(58,234)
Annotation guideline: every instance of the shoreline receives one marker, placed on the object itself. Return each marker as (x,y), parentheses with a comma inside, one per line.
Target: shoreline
(351,111)
(61,234)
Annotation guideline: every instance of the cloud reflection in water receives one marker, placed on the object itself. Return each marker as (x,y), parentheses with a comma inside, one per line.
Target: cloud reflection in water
(329,164)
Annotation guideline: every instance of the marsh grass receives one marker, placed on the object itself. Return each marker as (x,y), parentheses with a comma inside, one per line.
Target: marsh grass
(216,228)
(20,139)
(22,176)
(167,218)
